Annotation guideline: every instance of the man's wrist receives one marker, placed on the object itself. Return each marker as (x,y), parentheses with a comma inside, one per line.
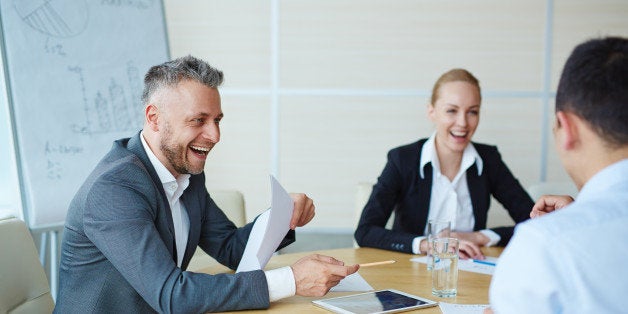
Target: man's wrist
(281,283)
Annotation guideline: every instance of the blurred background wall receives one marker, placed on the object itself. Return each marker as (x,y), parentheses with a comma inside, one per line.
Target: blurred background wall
(317,92)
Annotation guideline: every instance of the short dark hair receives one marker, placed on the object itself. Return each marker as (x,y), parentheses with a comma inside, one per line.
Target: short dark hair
(172,72)
(594,86)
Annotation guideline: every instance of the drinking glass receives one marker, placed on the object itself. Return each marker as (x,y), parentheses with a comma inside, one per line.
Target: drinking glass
(436,229)
(445,271)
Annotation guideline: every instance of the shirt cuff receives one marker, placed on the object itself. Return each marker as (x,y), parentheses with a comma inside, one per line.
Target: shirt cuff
(280,283)
(492,236)
(416,245)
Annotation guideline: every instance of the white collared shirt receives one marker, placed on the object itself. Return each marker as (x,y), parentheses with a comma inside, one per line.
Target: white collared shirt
(280,281)
(572,260)
(450,200)
(174,189)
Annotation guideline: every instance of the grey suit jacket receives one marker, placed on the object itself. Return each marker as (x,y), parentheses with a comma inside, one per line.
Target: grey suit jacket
(118,251)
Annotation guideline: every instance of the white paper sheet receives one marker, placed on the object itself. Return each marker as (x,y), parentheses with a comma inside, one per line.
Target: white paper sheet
(269,229)
(468,265)
(451,308)
(353,282)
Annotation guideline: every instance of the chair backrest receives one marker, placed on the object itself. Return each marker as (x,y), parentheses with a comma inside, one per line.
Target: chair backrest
(23,284)
(232,204)
(361,198)
(362,195)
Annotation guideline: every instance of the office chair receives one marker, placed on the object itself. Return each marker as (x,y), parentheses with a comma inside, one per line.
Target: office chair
(23,284)
(232,203)
(363,192)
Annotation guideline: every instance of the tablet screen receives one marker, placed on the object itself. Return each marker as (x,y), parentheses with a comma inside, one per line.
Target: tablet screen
(384,301)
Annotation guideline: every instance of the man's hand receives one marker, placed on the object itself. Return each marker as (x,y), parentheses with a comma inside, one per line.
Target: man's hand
(303,210)
(549,203)
(315,274)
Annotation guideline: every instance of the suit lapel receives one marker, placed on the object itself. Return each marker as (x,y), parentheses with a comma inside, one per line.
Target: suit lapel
(476,190)
(425,193)
(194,214)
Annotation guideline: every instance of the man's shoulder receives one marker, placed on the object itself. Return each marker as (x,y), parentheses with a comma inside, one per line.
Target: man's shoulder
(120,164)
(118,170)
(119,158)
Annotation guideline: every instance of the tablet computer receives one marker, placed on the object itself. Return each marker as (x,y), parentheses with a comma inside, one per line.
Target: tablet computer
(382,301)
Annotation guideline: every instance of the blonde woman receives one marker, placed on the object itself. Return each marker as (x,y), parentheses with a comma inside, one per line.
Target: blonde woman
(444,177)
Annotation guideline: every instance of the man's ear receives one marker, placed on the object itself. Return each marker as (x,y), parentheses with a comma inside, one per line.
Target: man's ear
(567,132)
(152,117)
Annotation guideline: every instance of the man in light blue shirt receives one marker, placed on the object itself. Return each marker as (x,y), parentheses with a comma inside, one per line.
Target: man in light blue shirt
(573,260)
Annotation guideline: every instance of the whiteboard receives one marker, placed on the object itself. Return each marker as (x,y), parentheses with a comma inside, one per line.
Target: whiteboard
(74,77)
(9,184)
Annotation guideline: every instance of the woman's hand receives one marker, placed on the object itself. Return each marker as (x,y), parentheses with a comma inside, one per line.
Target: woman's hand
(476,237)
(466,249)
(469,250)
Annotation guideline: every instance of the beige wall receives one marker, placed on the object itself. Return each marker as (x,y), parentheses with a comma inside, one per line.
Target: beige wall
(322,90)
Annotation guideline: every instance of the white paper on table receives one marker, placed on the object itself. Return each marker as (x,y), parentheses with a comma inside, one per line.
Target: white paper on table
(468,264)
(353,282)
(451,308)
(269,230)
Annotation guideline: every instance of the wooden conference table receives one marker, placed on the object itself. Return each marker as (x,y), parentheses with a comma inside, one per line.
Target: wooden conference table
(404,275)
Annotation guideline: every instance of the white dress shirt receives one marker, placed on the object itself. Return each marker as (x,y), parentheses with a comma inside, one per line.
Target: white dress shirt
(572,260)
(450,199)
(174,188)
(280,281)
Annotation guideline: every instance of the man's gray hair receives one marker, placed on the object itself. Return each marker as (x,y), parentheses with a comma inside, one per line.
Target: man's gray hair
(173,72)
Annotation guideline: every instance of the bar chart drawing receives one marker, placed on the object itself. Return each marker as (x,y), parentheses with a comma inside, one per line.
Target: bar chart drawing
(118,109)
(73,73)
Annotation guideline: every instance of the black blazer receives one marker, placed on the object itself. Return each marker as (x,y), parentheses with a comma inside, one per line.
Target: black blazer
(400,188)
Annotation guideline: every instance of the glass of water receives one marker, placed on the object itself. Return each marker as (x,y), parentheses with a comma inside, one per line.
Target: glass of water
(445,271)
(436,229)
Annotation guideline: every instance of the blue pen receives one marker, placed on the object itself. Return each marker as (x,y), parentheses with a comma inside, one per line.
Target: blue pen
(483,262)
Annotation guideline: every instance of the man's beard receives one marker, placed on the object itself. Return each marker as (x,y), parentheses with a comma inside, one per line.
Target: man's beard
(176,154)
